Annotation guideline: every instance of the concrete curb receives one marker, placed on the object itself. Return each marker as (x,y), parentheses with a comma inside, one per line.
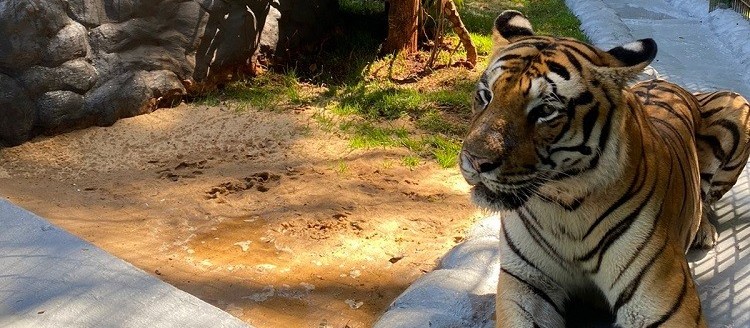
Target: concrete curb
(51,278)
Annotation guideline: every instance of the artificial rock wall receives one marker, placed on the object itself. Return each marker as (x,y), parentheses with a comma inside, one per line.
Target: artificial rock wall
(67,64)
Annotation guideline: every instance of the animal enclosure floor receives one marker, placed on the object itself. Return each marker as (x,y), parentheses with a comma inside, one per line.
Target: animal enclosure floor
(259,213)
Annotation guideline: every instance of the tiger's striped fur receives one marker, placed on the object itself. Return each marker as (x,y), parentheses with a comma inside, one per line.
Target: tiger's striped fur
(603,186)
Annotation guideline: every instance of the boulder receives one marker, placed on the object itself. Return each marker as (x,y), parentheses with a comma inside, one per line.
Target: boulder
(57,109)
(68,64)
(17,112)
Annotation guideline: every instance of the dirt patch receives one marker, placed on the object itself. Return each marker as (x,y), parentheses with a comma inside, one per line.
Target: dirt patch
(259,213)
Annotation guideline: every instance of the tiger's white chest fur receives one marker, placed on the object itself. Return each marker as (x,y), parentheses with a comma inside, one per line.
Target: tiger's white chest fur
(571,247)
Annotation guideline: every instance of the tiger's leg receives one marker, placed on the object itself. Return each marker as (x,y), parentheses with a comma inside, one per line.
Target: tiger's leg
(527,296)
(659,293)
(722,143)
(523,301)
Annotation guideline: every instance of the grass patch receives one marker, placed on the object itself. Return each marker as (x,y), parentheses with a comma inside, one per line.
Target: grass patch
(552,17)
(434,121)
(366,135)
(245,95)
(212,98)
(410,161)
(341,167)
(375,101)
(325,121)
(483,43)
(266,92)
(439,109)
(444,151)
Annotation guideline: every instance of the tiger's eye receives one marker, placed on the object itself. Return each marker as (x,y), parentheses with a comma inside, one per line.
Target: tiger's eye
(541,111)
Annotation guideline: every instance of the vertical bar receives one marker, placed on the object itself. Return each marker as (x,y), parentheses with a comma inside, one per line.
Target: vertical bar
(740,6)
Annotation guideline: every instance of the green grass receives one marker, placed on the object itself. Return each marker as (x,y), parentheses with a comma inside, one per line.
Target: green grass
(325,121)
(366,135)
(459,94)
(442,149)
(410,161)
(483,43)
(387,102)
(209,99)
(346,63)
(552,17)
(265,92)
(341,167)
(247,95)
(548,17)
(479,20)
(434,121)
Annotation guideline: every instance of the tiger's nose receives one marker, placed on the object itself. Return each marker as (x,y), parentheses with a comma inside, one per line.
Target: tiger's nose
(480,164)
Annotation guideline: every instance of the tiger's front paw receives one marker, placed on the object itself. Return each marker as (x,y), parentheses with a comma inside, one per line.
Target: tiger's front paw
(706,237)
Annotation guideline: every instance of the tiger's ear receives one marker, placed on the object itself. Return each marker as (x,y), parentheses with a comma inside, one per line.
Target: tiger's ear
(509,25)
(627,61)
(635,54)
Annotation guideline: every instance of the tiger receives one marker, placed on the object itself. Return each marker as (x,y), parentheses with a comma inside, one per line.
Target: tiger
(602,185)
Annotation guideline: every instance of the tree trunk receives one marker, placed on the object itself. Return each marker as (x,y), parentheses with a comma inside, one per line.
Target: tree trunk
(451,13)
(403,24)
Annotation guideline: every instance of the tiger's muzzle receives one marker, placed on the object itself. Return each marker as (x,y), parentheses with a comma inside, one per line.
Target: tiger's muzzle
(491,188)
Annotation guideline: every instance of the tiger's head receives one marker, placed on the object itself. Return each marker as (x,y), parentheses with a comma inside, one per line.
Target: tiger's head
(547,116)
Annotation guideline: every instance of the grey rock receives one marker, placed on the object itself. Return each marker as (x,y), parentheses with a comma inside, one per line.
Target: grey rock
(75,63)
(27,26)
(76,75)
(17,112)
(59,109)
(87,12)
(230,38)
(69,43)
(269,39)
(166,87)
(124,96)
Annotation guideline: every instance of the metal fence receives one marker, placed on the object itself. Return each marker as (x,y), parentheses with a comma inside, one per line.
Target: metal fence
(740,6)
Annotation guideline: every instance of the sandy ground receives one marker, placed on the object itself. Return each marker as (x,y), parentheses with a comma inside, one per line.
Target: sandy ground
(259,213)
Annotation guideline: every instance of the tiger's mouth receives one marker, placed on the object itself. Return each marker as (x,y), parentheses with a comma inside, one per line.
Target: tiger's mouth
(501,200)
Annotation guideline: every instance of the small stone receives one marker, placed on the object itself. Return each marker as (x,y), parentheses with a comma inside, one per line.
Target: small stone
(354,304)
(244,245)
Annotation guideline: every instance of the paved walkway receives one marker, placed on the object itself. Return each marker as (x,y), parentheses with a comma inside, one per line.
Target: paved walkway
(50,278)
(699,50)
(690,51)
